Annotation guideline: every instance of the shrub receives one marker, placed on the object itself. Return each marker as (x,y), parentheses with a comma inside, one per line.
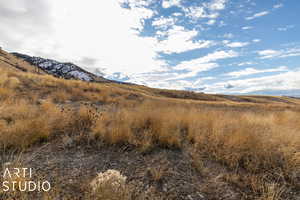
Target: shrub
(110,185)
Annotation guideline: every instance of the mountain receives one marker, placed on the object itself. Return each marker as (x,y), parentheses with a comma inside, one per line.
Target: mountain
(59,69)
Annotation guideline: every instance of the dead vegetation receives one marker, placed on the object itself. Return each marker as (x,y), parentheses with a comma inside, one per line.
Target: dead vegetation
(257,143)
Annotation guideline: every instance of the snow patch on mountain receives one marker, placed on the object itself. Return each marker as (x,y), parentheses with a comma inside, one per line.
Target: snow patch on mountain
(80,75)
(64,70)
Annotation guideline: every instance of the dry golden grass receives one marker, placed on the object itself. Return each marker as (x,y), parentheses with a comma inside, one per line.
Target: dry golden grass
(257,143)
(158,173)
(23,124)
(272,192)
(264,145)
(10,62)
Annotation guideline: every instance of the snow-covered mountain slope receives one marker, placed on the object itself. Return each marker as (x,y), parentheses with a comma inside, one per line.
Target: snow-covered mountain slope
(63,70)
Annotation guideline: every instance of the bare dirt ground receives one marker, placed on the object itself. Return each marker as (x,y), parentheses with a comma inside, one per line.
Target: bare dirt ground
(163,173)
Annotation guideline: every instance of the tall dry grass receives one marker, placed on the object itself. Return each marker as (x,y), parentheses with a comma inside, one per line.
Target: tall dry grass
(24,124)
(258,143)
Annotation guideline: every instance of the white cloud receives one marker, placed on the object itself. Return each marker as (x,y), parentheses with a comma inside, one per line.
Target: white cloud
(284,81)
(201,64)
(256,40)
(217,55)
(260,14)
(106,40)
(165,79)
(177,14)
(180,40)
(216,5)
(195,66)
(207,60)
(211,22)
(246,63)
(237,44)
(164,22)
(278,6)
(205,10)
(247,27)
(136,3)
(198,12)
(269,53)
(285,28)
(33,22)
(170,3)
(97,30)
(193,70)
(228,35)
(290,53)
(251,71)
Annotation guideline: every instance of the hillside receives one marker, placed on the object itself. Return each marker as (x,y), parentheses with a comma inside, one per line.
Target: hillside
(166,144)
(70,71)
(11,62)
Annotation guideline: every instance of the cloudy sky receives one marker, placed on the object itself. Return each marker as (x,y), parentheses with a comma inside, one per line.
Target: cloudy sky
(213,46)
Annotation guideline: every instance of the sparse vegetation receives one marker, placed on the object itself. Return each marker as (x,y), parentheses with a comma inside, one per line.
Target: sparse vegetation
(110,185)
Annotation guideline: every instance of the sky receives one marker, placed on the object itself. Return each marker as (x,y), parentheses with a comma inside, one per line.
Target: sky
(211,46)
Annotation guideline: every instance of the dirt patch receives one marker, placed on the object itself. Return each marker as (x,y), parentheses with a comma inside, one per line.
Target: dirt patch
(163,173)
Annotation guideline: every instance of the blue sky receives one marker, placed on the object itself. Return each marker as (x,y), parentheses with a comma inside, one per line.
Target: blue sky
(213,46)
